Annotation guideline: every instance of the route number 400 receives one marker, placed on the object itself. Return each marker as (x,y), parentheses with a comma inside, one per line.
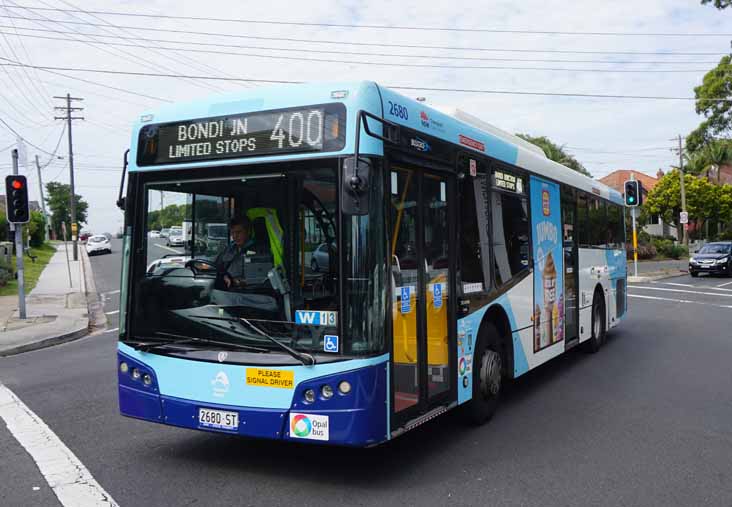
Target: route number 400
(398,110)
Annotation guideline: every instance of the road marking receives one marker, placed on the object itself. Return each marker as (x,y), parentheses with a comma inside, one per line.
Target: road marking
(110,292)
(111,313)
(170,249)
(680,290)
(677,300)
(112,330)
(677,284)
(725,284)
(69,479)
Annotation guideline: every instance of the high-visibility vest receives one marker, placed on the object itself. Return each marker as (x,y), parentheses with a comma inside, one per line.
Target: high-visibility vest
(274,231)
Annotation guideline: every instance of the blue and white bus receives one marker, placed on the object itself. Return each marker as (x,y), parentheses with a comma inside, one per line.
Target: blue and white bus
(402,261)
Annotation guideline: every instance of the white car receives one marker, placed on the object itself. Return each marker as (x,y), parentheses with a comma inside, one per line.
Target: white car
(98,244)
(154,234)
(175,239)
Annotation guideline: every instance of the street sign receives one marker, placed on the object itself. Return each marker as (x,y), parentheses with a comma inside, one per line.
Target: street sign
(684,217)
(74,228)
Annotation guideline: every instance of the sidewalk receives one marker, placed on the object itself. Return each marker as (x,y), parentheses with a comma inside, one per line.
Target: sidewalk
(56,309)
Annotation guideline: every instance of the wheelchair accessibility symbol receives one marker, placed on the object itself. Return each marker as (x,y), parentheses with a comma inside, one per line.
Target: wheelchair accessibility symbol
(330,343)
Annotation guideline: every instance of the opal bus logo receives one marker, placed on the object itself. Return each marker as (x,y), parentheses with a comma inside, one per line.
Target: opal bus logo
(301,426)
(424,119)
(309,426)
(220,384)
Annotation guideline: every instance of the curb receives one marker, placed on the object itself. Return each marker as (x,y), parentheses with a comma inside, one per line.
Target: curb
(48,342)
(94,304)
(652,277)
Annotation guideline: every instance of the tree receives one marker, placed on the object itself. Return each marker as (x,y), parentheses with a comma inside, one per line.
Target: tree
(719,4)
(556,153)
(717,84)
(57,198)
(704,200)
(709,157)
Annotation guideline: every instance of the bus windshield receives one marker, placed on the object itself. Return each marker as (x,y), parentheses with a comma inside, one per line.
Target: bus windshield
(254,258)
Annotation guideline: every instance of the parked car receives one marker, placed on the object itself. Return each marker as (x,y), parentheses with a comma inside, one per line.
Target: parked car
(164,232)
(321,258)
(98,244)
(175,238)
(84,236)
(154,234)
(713,258)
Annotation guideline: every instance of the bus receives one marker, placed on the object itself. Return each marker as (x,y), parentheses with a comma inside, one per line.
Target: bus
(453,257)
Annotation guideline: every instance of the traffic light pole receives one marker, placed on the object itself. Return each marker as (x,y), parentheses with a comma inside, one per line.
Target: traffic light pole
(19,252)
(635,236)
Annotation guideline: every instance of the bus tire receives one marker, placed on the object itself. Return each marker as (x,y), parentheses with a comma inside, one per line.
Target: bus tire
(597,324)
(488,365)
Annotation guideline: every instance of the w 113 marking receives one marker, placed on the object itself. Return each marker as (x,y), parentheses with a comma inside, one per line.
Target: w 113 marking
(315,318)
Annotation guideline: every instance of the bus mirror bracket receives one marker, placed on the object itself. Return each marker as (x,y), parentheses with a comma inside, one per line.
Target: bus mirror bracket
(120,199)
(356,169)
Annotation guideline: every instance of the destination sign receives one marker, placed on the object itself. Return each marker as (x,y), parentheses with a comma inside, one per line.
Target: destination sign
(311,129)
(507,181)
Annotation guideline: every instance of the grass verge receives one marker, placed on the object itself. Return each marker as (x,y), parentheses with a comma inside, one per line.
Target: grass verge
(32,270)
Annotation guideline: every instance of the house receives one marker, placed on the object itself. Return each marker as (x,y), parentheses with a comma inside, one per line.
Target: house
(617,179)
(718,174)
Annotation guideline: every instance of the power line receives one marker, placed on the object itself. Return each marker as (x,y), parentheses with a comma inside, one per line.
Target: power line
(377,44)
(435,66)
(338,52)
(395,87)
(11,129)
(379,27)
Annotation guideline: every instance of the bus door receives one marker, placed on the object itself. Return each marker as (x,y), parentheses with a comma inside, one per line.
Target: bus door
(571,267)
(421,254)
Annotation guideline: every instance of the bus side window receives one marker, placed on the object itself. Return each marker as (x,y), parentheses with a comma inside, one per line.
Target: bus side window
(583,233)
(471,266)
(510,235)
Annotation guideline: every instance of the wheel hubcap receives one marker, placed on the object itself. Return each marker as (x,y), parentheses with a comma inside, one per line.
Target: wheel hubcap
(490,373)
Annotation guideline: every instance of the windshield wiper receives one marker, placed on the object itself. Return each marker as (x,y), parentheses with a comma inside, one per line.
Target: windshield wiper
(181,339)
(303,357)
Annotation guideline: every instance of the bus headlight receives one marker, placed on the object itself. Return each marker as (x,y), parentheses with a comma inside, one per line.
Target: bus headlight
(123,367)
(136,374)
(344,387)
(147,379)
(326,391)
(309,396)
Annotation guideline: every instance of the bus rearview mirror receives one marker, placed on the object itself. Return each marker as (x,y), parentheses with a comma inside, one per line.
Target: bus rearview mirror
(355,185)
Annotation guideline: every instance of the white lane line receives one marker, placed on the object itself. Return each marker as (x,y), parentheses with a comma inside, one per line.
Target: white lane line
(110,292)
(111,313)
(686,301)
(169,249)
(69,479)
(724,284)
(719,294)
(676,284)
(112,330)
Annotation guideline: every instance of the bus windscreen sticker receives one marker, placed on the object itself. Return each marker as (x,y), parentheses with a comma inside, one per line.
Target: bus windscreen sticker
(548,260)
(316,318)
(437,295)
(406,300)
(330,343)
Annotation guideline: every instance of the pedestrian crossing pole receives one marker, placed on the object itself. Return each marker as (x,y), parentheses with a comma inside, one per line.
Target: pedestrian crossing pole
(19,266)
(635,235)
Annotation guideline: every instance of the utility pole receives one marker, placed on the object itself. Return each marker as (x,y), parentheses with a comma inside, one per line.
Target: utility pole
(68,118)
(43,202)
(683,189)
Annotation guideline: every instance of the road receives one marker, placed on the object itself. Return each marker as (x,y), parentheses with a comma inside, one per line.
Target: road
(646,421)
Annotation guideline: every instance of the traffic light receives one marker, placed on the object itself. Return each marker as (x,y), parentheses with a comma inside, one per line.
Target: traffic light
(16,198)
(633,191)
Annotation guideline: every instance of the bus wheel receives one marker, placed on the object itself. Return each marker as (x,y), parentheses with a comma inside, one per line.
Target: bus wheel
(597,325)
(487,377)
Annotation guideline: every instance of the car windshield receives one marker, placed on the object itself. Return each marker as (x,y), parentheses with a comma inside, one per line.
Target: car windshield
(246,265)
(716,248)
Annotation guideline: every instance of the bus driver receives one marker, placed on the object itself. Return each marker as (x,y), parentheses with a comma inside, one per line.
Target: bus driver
(231,262)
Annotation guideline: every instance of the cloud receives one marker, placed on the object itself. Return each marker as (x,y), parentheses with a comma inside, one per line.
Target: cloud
(623,127)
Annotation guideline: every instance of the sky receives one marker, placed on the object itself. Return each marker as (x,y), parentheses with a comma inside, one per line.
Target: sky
(667,46)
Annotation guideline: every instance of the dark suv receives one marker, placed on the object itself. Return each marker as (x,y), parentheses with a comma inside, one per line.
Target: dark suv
(712,258)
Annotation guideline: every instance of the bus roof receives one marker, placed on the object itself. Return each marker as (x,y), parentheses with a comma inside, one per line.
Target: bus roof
(448,123)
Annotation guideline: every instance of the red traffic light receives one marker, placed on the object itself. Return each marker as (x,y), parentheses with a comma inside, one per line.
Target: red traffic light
(17,184)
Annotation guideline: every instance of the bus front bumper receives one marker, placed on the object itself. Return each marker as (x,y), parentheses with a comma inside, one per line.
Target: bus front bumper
(358,419)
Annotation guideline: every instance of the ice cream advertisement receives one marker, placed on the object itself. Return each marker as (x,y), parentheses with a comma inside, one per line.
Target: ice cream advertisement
(548,258)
